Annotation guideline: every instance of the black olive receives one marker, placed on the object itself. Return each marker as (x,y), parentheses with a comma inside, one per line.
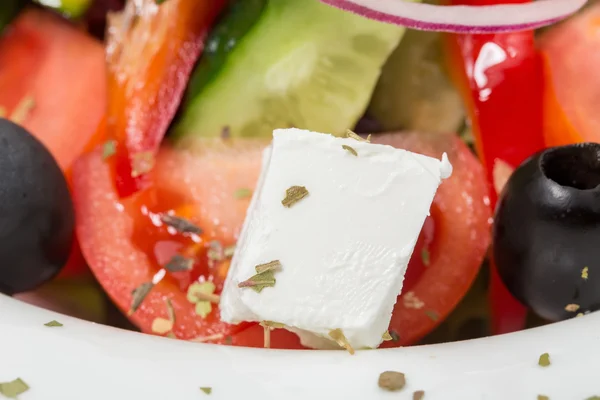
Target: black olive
(547,231)
(36,212)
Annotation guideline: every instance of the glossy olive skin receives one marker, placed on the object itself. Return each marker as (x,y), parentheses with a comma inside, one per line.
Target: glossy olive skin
(36,212)
(547,230)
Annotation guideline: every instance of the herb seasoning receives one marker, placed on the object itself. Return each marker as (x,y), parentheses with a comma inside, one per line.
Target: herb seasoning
(542,397)
(139,294)
(544,360)
(432,315)
(53,324)
(181,225)
(202,295)
(341,340)
(179,263)
(109,149)
(350,150)
(585,273)
(162,326)
(572,307)
(142,163)
(293,195)
(392,380)
(206,389)
(353,135)
(242,193)
(14,388)
(386,336)
(425,257)
(265,276)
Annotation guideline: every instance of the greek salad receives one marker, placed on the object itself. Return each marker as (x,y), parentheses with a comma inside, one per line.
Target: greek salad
(302,174)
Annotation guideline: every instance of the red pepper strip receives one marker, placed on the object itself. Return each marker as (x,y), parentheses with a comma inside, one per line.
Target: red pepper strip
(151,52)
(501,79)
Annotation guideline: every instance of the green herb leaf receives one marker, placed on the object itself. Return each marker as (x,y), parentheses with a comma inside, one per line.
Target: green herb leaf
(542,397)
(181,225)
(593,398)
(265,276)
(179,263)
(432,315)
(170,310)
(350,150)
(341,340)
(229,251)
(392,380)
(142,163)
(274,265)
(585,273)
(352,135)
(293,195)
(386,336)
(159,2)
(207,390)
(242,193)
(139,294)
(162,326)
(109,149)
(572,307)
(425,257)
(202,295)
(53,324)
(419,395)
(22,110)
(14,388)
(544,360)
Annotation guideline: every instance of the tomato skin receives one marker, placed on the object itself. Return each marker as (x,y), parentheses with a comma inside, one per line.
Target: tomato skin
(105,232)
(571,58)
(200,181)
(462,235)
(501,79)
(63,71)
(45,58)
(149,64)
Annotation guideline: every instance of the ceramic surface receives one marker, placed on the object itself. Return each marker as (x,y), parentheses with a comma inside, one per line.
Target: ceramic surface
(86,361)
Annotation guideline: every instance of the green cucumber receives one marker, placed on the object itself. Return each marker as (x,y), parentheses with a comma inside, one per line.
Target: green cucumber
(302,64)
(239,17)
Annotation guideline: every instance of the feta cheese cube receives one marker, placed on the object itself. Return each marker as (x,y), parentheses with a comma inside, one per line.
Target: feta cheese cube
(344,248)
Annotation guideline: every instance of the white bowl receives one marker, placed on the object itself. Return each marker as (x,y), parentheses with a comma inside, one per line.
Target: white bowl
(87,361)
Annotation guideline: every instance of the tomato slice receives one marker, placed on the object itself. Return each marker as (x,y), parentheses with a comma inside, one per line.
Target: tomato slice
(209,184)
(151,51)
(572,54)
(461,219)
(54,77)
(53,83)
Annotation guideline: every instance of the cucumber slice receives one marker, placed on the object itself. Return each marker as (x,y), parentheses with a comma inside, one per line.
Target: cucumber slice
(240,17)
(303,64)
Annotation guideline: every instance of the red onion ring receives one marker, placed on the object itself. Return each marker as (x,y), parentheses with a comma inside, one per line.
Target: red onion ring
(463,19)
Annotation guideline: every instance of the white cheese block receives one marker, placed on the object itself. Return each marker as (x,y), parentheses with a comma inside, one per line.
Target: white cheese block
(344,248)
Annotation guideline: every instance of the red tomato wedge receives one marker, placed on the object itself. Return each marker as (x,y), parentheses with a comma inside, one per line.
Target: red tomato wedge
(53,82)
(54,77)
(572,54)
(461,219)
(151,51)
(209,184)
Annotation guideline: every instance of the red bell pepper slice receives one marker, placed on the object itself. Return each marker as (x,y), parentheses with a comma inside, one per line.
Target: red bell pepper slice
(501,79)
(151,52)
